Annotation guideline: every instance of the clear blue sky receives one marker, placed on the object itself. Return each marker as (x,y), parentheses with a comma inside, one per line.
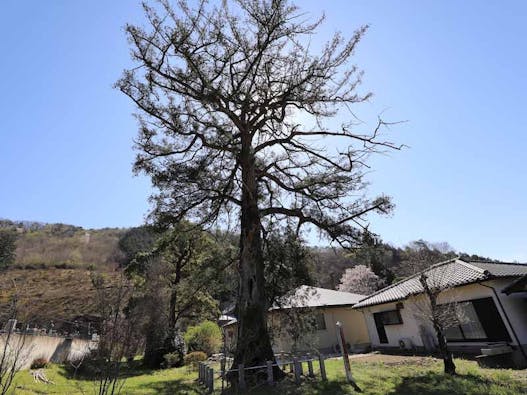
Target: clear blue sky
(454,70)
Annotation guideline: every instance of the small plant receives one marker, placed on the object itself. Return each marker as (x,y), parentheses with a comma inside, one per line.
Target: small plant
(172,360)
(39,363)
(193,358)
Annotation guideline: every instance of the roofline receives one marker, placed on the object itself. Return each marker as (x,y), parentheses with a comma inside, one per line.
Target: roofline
(419,293)
(470,265)
(408,278)
(314,307)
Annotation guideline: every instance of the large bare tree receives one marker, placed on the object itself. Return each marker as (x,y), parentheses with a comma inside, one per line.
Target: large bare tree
(235,112)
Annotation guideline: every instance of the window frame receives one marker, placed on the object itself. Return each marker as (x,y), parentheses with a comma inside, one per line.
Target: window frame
(479,340)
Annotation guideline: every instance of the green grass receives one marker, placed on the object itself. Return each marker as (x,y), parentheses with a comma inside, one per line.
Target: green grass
(421,376)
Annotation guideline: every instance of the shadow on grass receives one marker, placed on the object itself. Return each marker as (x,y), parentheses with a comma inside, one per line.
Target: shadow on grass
(174,386)
(89,372)
(432,383)
(308,386)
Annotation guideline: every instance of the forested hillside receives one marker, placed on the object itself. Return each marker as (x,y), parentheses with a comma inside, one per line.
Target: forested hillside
(39,245)
(50,266)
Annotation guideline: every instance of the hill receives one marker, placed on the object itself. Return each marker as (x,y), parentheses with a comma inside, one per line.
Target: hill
(50,274)
(41,245)
(49,295)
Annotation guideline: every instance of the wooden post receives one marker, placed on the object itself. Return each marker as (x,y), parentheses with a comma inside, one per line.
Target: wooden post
(310,368)
(200,373)
(344,350)
(291,367)
(241,377)
(297,370)
(222,371)
(300,367)
(322,368)
(270,379)
(211,380)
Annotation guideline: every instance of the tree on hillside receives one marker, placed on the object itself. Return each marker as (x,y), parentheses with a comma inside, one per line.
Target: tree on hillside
(233,107)
(376,255)
(8,239)
(360,280)
(134,241)
(420,254)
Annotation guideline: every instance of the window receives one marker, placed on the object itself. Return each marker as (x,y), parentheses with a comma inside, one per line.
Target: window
(391,317)
(479,320)
(320,322)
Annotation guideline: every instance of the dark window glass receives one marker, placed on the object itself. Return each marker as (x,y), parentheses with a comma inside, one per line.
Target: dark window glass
(320,322)
(479,321)
(490,319)
(391,317)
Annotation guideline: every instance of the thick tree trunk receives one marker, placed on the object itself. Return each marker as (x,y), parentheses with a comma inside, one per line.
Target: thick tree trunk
(253,342)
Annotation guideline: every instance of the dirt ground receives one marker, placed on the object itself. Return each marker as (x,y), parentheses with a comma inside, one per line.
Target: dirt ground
(393,360)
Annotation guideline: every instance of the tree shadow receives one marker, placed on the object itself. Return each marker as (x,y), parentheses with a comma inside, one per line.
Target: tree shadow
(174,386)
(432,383)
(88,371)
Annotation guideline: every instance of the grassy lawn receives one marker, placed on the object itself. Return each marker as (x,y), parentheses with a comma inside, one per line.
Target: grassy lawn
(375,375)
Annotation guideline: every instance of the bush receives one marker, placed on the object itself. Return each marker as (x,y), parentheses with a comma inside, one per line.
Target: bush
(193,358)
(39,363)
(172,360)
(204,337)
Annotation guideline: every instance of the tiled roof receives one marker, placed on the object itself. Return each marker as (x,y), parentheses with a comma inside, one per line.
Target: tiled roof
(444,275)
(307,296)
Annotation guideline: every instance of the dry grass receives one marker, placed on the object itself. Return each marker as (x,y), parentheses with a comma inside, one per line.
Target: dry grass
(49,294)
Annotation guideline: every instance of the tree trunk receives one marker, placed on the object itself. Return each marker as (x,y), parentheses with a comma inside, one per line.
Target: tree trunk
(253,342)
(448,361)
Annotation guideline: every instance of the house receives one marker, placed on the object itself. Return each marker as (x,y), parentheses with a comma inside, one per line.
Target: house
(324,307)
(491,297)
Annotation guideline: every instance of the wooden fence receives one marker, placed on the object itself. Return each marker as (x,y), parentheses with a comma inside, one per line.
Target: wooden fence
(206,373)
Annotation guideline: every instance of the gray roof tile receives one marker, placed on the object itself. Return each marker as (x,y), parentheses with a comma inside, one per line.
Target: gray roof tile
(307,296)
(444,275)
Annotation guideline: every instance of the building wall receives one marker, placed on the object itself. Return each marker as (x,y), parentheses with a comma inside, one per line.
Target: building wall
(325,340)
(418,328)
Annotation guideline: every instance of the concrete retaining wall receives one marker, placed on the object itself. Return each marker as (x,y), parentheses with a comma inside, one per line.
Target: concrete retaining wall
(54,349)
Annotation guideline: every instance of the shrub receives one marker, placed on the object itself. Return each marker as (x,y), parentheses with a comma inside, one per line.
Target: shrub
(204,337)
(39,363)
(172,359)
(193,358)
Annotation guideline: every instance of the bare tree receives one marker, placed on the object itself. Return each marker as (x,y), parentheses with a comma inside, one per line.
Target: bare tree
(13,349)
(442,314)
(361,280)
(117,336)
(233,106)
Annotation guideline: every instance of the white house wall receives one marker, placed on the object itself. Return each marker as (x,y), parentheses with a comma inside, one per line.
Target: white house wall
(515,306)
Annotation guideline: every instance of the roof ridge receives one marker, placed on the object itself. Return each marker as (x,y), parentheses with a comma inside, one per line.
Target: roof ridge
(498,263)
(472,266)
(409,277)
